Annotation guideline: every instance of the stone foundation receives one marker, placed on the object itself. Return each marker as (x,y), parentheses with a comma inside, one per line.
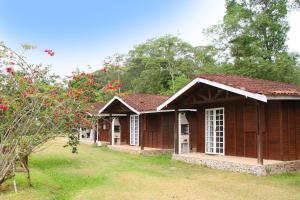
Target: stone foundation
(258,170)
(283,167)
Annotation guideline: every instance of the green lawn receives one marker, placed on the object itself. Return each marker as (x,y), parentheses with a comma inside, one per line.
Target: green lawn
(98,173)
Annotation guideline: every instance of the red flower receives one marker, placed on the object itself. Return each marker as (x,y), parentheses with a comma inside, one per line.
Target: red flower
(119,85)
(49,52)
(25,94)
(103,70)
(9,70)
(3,107)
(27,79)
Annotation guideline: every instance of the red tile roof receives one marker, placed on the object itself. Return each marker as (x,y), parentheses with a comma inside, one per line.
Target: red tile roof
(144,102)
(265,87)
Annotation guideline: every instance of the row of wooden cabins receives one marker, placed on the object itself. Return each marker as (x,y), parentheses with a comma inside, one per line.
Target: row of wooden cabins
(222,121)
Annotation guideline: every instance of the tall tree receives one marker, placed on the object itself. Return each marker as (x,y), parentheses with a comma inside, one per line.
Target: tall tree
(162,65)
(253,36)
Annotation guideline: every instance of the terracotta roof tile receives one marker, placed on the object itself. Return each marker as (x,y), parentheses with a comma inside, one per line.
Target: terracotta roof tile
(144,102)
(265,87)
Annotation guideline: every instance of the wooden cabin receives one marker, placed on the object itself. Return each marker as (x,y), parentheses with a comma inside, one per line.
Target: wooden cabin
(138,123)
(240,116)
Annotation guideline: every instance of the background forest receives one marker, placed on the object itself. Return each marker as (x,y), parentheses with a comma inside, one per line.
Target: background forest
(250,41)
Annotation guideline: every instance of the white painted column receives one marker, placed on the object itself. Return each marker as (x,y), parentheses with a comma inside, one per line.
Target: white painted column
(80,134)
(98,143)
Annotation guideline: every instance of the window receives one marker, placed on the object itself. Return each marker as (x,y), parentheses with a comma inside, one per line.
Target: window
(117,129)
(184,129)
(134,130)
(214,131)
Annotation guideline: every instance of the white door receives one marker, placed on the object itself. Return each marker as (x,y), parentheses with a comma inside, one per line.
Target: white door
(134,130)
(214,131)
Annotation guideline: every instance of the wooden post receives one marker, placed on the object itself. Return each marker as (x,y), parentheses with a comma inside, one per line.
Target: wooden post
(111,129)
(141,120)
(259,135)
(176,132)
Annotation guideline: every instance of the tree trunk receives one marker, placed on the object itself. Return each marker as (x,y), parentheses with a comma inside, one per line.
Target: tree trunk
(25,165)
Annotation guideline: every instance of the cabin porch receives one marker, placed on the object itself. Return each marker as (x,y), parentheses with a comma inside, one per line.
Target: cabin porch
(137,150)
(239,164)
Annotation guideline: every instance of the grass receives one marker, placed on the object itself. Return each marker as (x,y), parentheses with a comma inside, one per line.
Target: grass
(98,173)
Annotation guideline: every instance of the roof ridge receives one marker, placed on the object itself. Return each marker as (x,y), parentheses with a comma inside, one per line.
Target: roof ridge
(247,77)
(254,85)
(142,93)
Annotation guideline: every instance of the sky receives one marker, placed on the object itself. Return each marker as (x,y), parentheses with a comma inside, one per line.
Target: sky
(85,32)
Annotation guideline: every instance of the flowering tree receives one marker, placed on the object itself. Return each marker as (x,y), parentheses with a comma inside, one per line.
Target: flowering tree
(34,107)
(98,86)
(113,71)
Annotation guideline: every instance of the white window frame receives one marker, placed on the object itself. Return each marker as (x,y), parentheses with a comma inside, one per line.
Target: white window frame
(214,126)
(134,130)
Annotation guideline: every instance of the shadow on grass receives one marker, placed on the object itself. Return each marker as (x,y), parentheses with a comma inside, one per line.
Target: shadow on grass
(71,184)
(158,159)
(287,178)
(53,162)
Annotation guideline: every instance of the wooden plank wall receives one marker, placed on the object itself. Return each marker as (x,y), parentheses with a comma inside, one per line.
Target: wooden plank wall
(273,130)
(167,130)
(280,124)
(152,133)
(104,134)
(290,135)
(125,129)
(240,128)
(250,130)
(297,130)
(159,130)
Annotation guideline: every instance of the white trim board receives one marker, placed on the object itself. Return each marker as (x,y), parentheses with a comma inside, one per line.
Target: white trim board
(112,115)
(107,115)
(283,98)
(247,94)
(163,111)
(123,102)
(134,110)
